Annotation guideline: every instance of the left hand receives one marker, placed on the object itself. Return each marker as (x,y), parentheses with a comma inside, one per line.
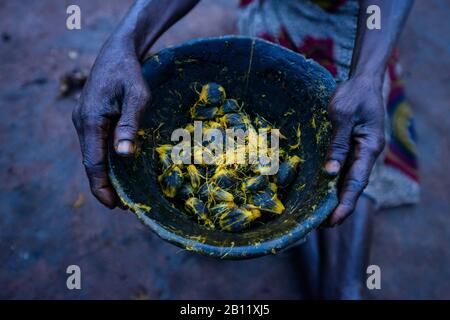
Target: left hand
(356,112)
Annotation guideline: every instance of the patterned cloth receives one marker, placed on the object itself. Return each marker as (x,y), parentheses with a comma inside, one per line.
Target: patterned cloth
(325,30)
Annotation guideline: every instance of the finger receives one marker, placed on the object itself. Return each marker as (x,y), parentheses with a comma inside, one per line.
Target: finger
(94,147)
(135,103)
(357,177)
(339,148)
(340,141)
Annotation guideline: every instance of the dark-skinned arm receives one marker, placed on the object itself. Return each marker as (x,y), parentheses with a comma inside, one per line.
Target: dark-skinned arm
(357,108)
(116,79)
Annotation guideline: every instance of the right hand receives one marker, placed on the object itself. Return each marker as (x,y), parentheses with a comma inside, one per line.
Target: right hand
(114,95)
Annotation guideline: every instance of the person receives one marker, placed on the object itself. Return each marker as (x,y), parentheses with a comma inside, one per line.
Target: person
(367,109)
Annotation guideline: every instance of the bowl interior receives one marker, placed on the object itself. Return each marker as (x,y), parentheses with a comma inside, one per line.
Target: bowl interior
(271,81)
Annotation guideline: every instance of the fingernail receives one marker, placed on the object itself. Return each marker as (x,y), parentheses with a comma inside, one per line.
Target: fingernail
(125,147)
(332,167)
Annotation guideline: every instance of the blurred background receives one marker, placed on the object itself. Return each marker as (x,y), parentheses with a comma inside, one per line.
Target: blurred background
(49,219)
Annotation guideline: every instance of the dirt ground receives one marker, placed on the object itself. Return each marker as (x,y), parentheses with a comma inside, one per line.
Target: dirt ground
(49,219)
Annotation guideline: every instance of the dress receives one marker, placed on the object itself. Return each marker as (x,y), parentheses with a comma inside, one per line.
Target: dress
(325,31)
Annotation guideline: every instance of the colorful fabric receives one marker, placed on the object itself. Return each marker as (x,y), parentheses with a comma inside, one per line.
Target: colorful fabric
(325,31)
(401,150)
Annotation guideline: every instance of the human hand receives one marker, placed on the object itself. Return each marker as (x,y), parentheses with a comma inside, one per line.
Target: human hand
(112,102)
(356,112)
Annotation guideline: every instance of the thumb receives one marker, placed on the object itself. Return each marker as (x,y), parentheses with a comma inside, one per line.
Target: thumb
(136,100)
(339,148)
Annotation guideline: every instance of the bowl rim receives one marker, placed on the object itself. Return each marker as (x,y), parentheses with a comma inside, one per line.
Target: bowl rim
(296,235)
